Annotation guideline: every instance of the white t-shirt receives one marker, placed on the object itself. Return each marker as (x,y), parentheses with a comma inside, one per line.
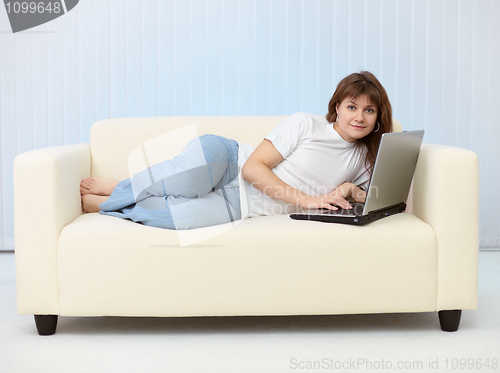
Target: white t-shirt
(316,160)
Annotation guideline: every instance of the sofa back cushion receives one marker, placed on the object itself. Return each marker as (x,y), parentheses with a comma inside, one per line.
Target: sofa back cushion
(121,147)
(114,142)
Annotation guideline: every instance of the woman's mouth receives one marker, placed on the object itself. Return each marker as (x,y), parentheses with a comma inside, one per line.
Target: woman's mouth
(357,127)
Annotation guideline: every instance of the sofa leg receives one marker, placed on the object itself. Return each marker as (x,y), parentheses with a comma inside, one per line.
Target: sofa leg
(46,324)
(450,320)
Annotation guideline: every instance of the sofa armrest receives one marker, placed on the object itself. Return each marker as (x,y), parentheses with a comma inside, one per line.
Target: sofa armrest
(46,198)
(445,194)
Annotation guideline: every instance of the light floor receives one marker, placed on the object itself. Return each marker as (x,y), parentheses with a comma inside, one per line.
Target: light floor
(362,343)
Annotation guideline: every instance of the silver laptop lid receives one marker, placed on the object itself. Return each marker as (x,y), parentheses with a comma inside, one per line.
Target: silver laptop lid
(393,171)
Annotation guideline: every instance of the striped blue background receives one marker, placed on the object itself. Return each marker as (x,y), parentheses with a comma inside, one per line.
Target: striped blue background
(438,59)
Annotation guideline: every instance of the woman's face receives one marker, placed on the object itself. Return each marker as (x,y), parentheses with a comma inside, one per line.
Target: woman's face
(356,118)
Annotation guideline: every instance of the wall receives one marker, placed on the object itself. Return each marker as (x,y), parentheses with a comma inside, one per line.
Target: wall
(438,60)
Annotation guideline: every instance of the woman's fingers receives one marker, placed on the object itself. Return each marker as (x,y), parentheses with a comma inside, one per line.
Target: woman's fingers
(341,202)
(329,206)
(339,199)
(329,202)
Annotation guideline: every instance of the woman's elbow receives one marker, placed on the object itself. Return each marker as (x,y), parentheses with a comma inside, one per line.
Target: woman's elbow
(251,171)
(246,172)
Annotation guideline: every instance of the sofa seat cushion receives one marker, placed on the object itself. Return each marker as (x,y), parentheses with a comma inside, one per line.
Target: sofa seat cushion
(262,266)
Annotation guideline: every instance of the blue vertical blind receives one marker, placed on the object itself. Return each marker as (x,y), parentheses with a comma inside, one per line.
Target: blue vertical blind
(438,59)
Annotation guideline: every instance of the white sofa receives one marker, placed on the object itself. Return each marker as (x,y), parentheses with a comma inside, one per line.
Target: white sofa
(74,264)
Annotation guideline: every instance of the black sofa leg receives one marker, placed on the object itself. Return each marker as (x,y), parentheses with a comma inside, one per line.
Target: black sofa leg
(450,320)
(46,324)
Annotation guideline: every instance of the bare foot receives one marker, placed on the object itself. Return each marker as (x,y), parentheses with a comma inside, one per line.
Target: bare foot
(99,186)
(91,202)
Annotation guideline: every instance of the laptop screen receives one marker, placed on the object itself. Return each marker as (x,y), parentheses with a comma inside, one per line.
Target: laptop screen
(393,171)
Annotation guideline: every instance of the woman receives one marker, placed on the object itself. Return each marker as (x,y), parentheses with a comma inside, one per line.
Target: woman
(307,161)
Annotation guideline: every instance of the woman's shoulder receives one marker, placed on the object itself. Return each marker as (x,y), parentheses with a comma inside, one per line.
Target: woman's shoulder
(309,117)
(306,121)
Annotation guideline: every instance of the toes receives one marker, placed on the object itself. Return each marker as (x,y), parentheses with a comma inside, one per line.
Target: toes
(84,188)
(86,181)
(86,184)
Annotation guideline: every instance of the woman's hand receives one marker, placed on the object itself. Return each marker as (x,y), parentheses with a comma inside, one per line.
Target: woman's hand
(336,198)
(346,190)
(328,201)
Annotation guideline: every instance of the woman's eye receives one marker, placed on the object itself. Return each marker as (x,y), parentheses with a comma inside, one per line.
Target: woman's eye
(350,107)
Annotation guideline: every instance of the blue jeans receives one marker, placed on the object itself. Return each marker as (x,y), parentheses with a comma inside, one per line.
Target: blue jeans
(197,188)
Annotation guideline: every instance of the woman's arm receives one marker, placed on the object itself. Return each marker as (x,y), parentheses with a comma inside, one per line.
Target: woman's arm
(257,171)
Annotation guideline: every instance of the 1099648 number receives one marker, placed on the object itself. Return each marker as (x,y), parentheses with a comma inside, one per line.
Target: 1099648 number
(476,364)
(32,7)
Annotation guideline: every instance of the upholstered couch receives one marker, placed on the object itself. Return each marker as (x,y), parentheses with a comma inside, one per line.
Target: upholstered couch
(73,264)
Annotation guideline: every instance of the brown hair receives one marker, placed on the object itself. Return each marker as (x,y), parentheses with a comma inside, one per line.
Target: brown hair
(364,83)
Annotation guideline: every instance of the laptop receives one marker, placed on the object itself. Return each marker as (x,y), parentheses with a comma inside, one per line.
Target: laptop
(389,184)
